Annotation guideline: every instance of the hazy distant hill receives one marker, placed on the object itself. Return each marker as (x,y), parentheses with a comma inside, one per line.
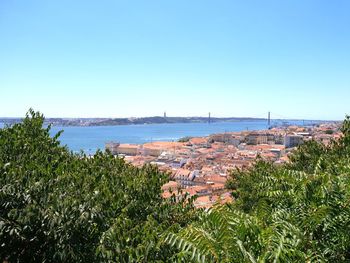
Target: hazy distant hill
(129,121)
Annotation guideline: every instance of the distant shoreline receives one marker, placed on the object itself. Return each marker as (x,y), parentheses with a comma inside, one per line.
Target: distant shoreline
(81,122)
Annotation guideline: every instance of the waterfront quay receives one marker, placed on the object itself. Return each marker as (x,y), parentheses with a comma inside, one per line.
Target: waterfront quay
(201,165)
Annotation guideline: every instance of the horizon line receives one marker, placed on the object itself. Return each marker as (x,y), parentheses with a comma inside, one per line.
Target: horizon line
(159,116)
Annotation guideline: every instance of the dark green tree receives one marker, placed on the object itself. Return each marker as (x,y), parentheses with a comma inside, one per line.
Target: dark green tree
(299,212)
(56,206)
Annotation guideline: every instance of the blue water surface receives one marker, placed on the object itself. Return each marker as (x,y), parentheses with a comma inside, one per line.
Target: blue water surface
(91,138)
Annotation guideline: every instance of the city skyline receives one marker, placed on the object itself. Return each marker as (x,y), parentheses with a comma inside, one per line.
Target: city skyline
(140,58)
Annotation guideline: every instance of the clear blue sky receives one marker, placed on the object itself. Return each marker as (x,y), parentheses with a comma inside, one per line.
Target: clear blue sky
(138,58)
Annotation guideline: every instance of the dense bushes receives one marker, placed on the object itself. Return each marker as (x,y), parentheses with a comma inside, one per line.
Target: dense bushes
(299,212)
(56,206)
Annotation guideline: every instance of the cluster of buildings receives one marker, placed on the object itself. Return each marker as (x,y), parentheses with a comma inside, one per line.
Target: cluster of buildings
(200,166)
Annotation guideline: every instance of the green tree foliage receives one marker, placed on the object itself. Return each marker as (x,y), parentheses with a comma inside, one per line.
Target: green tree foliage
(56,206)
(185,139)
(329,132)
(298,212)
